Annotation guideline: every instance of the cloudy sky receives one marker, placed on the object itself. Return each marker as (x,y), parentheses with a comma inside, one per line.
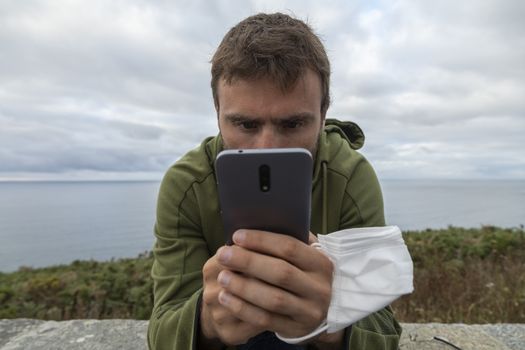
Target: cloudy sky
(120,89)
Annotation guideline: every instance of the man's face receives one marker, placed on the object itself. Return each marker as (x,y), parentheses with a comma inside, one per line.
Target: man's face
(257,114)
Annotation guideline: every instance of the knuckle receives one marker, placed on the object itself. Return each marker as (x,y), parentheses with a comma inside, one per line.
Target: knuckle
(325,264)
(209,270)
(325,292)
(278,301)
(289,249)
(284,275)
(206,269)
(209,296)
(218,317)
(324,296)
(237,308)
(317,315)
(328,265)
(263,321)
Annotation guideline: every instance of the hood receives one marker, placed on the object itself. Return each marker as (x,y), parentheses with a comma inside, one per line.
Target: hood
(348,130)
(338,138)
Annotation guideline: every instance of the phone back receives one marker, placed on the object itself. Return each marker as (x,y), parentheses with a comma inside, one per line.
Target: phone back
(265,189)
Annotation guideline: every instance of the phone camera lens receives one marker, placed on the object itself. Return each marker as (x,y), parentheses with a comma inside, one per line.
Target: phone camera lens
(264,178)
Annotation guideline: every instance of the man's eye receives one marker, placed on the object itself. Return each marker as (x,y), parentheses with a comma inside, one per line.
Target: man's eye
(247,125)
(292,124)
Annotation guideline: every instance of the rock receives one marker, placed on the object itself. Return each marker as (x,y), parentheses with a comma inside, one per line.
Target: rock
(11,328)
(24,334)
(435,336)
(76,334)
(513,335)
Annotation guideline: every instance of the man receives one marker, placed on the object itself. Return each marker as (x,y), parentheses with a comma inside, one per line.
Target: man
(270,83)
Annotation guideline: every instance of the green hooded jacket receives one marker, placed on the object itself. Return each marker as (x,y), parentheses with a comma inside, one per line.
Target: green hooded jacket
(188,231)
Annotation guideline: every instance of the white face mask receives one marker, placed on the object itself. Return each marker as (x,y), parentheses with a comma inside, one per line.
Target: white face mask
(372,268)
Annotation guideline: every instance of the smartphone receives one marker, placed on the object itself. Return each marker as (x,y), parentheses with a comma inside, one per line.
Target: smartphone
(265,189)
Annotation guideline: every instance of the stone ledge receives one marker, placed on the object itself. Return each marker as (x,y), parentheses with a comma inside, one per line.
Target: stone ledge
(75,334)
(420,336)
(130,335)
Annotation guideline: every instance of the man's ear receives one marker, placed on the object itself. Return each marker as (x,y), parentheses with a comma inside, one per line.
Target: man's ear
(218,120)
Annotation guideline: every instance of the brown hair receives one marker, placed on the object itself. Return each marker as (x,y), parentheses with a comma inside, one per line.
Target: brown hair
(276,46)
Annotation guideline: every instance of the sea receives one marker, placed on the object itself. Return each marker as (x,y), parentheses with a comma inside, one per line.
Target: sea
(51,223)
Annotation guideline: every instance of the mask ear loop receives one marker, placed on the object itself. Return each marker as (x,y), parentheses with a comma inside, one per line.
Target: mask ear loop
(323,326)
(317,245)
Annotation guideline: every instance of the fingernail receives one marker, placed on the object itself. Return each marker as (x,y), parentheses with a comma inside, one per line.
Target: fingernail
(224,298)
(225,254)
(239,236)
(224,278)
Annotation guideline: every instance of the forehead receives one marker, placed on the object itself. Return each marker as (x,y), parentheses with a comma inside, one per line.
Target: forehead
(265,96)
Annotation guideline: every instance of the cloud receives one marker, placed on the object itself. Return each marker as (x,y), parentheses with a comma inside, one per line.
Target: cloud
(121,89)
(437,87)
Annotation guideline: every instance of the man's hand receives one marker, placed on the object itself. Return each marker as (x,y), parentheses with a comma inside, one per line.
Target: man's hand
(216,321)
(275,282)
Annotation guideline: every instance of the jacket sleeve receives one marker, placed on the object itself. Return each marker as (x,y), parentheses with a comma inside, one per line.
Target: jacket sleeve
(180,252)
(363,207)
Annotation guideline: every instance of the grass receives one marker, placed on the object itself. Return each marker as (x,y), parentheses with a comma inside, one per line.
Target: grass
(466,275)
(84,289)
(460,275)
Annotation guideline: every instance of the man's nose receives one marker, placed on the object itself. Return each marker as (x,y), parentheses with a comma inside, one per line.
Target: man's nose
(267,138)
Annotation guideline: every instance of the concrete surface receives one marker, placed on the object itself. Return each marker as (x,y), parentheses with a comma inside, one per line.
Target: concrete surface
(465,337)
(28,334)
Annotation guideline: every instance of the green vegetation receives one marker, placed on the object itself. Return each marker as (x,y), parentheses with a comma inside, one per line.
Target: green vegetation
(460,275)
(466,275)
(84,289)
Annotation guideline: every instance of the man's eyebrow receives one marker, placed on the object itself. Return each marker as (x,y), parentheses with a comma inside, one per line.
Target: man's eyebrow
(236,117)
(296,116)
(239,117)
